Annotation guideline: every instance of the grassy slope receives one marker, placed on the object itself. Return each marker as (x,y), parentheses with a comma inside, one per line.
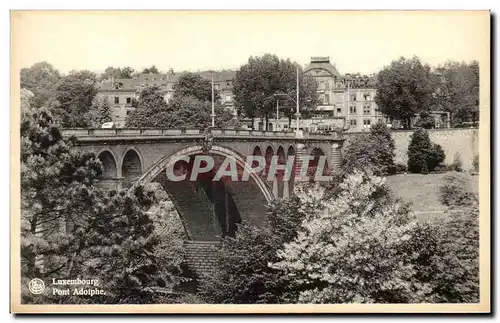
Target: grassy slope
(422,191)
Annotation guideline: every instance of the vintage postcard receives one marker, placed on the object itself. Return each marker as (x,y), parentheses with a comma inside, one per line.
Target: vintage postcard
(250,162)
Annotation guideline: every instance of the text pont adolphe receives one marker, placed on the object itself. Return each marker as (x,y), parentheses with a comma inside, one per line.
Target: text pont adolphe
(77,286)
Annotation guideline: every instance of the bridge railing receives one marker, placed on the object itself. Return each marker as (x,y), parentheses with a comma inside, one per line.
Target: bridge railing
(134,132)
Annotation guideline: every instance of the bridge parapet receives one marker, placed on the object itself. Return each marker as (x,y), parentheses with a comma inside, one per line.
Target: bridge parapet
(218,133)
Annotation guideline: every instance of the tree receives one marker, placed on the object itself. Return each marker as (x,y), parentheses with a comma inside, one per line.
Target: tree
(189,112)
(257,82)
(374,150)
(26,100)
(243,275)
(457,90)
(71,228)
(457,264)
(41,79)
(52,179)
(355,250)
(425,121)
(180,112)
(75,94)
(152,70)
(193,85)
(422,151)
(117,73)
(404,89)
(100,112)
(151,110)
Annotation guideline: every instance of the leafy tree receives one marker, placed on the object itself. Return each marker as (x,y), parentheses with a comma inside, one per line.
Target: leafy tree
(75,94)
(41,79)
(26,100)
(374,150)
(117,73)
(152,70)
(52,179)
(151,110)
(190,112)
(457,90)
(425,121)
(193,85)
(100,112)
(355,250)
(456,165)
(71,228)
(243,275)
(257,82)
(422,151)
(180,112)
(457,264)
(404,89)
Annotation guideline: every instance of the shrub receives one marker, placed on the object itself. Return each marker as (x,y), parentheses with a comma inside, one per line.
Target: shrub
(456,266)
(456,165)
(456,190)
(475,163)
(243,275)
(363,246)
(374,150)
(424,169)
(425,121)
(421,150)
(397,168)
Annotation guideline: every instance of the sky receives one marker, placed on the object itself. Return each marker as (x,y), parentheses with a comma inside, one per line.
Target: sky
(355,41)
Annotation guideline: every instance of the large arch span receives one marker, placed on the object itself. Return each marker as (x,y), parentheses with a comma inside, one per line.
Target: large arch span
(211,207)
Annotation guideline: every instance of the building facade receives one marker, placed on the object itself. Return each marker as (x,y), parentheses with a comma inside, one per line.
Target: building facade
(350,97)
(120,93)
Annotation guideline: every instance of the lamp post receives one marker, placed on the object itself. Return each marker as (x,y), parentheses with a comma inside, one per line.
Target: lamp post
(277,113)
(213,103)
(297,114)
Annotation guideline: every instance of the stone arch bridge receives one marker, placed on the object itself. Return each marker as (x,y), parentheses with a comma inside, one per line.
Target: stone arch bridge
(209,208)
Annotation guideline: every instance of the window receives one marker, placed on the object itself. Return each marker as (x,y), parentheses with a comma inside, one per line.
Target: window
(366,122)
(327,85)
(339,110)
(145,79)
(129,100)
(367,109)
(353,122)
(129,112)
(353,97)
(352,110)
(367,96)
(321,85)
(117,100)
(327,98)
(154,78)
(163,79)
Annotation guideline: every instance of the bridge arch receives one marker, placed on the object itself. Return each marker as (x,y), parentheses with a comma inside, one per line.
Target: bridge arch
(159,166)
(211,207)
(131,167)
(109,164)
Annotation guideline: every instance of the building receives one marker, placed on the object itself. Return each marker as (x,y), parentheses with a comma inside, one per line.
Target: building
(121,93)
(344,96)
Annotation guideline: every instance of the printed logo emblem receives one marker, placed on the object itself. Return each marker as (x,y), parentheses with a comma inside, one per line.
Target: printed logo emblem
(36,286)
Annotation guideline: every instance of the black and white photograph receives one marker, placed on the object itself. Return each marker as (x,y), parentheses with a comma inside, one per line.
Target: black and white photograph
(250,161)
